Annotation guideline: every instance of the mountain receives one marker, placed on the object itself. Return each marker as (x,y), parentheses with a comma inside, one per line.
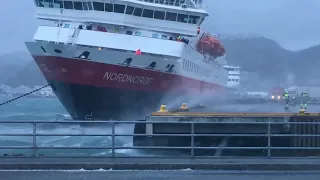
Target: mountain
(11,64)
(272,62)
(18,69)
(29,76)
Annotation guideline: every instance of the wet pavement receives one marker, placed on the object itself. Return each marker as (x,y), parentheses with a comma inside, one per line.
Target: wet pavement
(159,175)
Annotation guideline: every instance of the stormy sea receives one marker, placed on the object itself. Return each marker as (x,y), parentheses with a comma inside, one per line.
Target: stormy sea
(50,109)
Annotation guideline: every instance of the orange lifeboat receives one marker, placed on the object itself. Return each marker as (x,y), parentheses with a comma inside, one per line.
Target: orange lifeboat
(210,45)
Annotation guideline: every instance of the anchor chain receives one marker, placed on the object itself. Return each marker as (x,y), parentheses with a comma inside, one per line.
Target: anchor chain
(26,94)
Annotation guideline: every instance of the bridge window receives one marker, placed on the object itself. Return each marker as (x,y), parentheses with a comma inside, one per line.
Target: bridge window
(98,6)
(108,7)
(137,12)
(68,4)
(137,33)
(182,18)
(129,32)
(129,10)
(164,37)
(171,16)
(45,3)
(159,15)
(87,6)
(147,13)
(77,5)
(119,8)
(57,4)
(154,35)
(193,19)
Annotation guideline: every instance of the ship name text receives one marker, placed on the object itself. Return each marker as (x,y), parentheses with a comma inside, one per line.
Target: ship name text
(127,78)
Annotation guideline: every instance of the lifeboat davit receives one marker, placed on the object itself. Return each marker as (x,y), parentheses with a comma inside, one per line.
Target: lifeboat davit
(210,45)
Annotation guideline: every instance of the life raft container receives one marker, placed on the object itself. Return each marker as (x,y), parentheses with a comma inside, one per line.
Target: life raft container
(210,45)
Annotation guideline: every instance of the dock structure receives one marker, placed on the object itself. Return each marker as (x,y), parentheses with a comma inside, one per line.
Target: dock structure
(184,138)
(228,133)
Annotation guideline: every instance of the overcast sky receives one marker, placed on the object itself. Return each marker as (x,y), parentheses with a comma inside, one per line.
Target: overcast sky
(295,24)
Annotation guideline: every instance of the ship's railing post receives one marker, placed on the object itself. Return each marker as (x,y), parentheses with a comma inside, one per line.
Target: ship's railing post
(113,138)
(269,138)
(34,139)
(192,139)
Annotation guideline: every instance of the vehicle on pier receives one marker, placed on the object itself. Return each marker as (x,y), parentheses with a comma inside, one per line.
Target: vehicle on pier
(296,93)
(276,94)
(116,59)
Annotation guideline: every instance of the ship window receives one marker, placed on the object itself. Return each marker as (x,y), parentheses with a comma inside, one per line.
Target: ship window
(129,10)
(68,4)
(193,19)
(119,8)
(171,16)
(137,33)
(183,64)
(98,6)
(77,5)
(147,13)
(188,66)
(87,6)
(108,7)
(90,5)
(129,32)
(39,3)
(182,18)
(164,37)
(137,12)
(154,35)
(57,4)
(46,3)
(159,15)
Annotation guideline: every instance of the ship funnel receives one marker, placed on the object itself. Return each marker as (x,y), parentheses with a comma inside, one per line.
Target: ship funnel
(184,106)
(163,108)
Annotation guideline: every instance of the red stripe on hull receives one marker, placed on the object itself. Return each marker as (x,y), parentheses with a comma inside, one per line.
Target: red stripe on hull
(97,74)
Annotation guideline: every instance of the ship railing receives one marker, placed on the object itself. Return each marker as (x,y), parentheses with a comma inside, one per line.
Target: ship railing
(114,139)
(74,33)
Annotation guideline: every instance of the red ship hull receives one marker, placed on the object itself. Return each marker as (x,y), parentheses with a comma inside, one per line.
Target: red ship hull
(98,91)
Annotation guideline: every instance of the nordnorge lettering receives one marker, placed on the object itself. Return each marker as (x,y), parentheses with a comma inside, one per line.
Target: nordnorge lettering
(126,78)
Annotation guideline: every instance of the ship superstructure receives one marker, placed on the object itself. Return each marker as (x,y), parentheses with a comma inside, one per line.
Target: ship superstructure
(112,58)
(233,76)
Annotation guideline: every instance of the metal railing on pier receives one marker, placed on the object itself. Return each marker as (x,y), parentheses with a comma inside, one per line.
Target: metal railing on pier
(114,139)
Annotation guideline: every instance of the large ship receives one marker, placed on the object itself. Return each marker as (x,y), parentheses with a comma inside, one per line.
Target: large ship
(111,59)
